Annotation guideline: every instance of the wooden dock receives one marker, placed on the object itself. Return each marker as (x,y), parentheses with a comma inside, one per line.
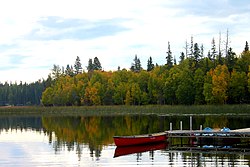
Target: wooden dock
(197,141)
(237,133)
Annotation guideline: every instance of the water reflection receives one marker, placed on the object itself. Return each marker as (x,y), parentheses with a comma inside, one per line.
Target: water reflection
(89,140)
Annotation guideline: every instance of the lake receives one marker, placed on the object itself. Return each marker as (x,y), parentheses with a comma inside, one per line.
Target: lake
(88,141)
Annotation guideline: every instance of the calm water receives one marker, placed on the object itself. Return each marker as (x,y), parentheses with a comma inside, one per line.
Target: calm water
(87,141)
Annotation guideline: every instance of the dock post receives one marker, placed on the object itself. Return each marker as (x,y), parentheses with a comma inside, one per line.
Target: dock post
(180,125)
(170,126)
(190,123)
(200,127)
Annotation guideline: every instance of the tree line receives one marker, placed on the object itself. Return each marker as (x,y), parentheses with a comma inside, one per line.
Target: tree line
(197,79)
(219,77)
(22,94)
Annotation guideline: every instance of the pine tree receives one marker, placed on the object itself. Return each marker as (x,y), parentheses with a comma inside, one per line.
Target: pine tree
(169,57)
(136,65)
(69,70)
(150,65)
(246,49)
(209,55)
(202,51)
(97,64)
(182,57)
(90,66)
(214,52)
(56,72)
(191,54)
(78,65)
(197,55)
(230,59)
(220,61)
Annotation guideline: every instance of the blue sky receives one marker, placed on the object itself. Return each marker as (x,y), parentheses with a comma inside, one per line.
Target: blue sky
(34,35)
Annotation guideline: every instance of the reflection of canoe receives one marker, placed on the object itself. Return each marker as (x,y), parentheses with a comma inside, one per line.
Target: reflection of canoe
(120,151)
(139,139)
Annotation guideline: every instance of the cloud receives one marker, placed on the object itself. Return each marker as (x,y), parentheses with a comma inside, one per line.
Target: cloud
(12,61)
(58,28)
(43,32)
(17,59)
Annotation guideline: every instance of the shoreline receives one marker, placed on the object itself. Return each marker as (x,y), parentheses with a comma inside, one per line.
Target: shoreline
(123,109)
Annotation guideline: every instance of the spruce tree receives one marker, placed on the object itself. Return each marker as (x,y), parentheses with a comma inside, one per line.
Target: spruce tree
(78,65)
(214,52)
(230,59)
(182,57)
(136,65)
(150,65)
(90,66)
(246,49)
(69,70)
(169,57)
(197,55)
(191,54)
(97,64)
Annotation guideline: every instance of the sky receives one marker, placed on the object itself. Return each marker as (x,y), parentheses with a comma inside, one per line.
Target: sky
(36,34)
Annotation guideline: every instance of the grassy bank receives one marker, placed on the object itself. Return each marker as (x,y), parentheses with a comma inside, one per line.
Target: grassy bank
(113,110)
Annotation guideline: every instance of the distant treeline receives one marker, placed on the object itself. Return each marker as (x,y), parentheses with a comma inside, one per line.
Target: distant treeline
(197,79)
(22,94)
(216,78)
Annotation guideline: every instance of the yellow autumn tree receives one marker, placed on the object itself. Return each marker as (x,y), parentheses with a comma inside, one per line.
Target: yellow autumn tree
(220,80)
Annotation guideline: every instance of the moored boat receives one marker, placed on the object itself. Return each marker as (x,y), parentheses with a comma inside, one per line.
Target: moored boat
(140,139)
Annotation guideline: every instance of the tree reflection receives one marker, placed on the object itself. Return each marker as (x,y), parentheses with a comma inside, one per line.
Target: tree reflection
(96,132)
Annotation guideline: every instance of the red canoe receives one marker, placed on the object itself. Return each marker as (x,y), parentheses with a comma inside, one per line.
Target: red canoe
(140,139)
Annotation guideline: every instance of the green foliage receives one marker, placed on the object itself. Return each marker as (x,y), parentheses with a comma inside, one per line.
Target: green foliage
(150,65)
(198,85)
(56,72)
(237,87)
(22,94)
(185,88)
(97,65)
(136,65)
(78,65)
(169,57)
(207,91)
(195,80)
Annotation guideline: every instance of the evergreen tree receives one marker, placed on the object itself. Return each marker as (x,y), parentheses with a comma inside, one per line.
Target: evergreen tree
(246,49)
(202,51)
(56,72)
(191,54)
(78,65)
(136,65)
(90,66)
(69,70)
(169,57)
(209,55)
(182,57)
(197,55)
(220,61)
(150,65)
(97,64)
(230,60)
(214,52)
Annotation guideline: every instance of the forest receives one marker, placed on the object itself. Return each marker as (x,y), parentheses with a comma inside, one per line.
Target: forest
(219,77)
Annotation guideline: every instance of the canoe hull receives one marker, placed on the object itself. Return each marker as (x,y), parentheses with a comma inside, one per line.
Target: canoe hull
(139,139)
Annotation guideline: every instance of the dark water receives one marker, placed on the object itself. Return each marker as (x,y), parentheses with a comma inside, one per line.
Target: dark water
(88,141)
